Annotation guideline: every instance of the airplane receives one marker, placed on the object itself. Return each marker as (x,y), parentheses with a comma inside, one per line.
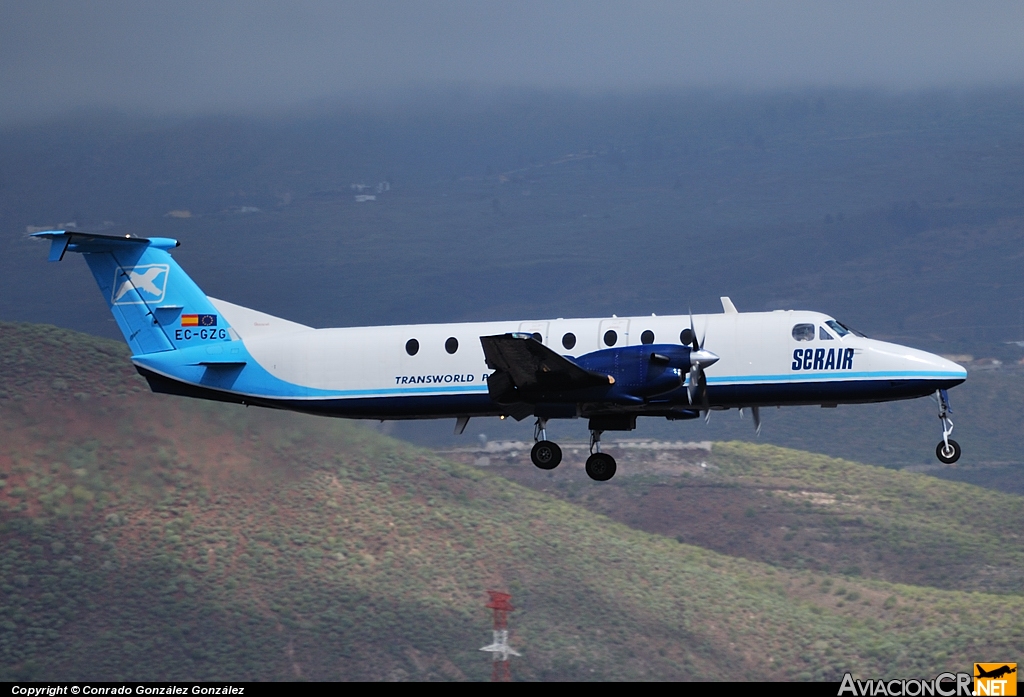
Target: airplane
(994,673)
(609,370)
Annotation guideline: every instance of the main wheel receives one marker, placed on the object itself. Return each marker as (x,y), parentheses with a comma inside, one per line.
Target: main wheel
(950,454)
(546,455)
(601,467)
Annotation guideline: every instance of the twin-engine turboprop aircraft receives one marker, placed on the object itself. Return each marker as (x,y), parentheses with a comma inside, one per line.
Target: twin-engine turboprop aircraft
(608,370)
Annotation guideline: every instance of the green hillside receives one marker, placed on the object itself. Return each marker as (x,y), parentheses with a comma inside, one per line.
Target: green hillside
(149,537)
(801,511)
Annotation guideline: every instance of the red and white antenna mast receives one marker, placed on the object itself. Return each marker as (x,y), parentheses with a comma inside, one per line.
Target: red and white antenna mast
(499,648)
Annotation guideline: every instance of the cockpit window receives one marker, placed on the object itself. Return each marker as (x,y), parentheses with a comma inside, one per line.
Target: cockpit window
(841,329)
(803,332)
(824,335)
(838,328)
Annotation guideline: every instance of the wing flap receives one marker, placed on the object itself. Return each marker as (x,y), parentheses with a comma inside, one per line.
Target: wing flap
(533,368)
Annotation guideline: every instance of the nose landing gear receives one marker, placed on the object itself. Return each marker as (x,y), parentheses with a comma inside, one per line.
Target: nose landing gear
(948,450)
(600,466)
(545,454)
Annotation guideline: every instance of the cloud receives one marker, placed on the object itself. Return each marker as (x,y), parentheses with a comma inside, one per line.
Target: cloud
(197,56)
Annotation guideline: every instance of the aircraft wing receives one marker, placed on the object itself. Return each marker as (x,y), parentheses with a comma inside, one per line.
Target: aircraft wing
(533,368)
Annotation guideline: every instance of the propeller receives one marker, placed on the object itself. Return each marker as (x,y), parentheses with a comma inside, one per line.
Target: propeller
(756,413)
(700,358)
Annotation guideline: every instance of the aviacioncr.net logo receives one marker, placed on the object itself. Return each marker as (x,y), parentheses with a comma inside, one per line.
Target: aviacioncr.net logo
(943,685)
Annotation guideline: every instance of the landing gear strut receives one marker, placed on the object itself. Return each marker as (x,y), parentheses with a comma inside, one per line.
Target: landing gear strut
(948,450)
(545,454)
(600,466)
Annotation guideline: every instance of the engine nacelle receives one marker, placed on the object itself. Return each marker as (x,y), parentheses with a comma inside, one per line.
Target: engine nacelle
(642,371)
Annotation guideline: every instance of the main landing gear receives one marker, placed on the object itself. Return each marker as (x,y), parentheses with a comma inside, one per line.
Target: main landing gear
(600,466)
(948,450)
(547,455)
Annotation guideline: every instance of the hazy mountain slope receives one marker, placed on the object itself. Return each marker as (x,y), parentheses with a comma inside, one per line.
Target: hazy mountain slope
(797,510)
(152,537)
(900,213)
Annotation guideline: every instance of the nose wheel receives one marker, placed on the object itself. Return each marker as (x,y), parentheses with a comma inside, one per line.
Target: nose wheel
(948,450)
(545,454)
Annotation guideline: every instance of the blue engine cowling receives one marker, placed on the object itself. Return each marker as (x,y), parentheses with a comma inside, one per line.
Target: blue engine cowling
(640,372)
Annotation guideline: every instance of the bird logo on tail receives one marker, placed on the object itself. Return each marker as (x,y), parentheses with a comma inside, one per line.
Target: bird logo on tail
(149,282)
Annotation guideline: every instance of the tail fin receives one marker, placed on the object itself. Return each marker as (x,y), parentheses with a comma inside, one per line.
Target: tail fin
(156,305)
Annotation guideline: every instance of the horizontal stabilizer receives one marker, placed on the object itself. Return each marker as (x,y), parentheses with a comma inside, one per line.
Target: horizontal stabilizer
(63,241)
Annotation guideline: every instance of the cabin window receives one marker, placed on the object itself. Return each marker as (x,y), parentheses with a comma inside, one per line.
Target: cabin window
(686,336)
(412,347)
(824,335)
(569,340)
(647,337)
(610,337)
(452,345)
(803,332)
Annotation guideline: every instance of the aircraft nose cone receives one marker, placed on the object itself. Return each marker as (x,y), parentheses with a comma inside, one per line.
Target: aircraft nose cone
(703,357)
(955,369)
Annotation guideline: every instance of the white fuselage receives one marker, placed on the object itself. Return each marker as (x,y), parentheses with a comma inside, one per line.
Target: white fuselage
(370,372)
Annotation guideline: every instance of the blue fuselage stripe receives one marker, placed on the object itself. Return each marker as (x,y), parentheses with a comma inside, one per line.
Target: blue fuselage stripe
(881,375)
(766,380)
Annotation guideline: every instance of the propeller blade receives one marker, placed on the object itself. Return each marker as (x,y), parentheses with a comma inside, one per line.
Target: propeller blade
(697,389)
(756,411)
(704,397)
(693,334)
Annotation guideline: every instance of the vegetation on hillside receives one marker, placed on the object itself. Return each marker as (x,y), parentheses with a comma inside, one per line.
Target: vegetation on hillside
(149,537)
(798,510)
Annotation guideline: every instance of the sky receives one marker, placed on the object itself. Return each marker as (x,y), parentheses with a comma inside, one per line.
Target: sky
(185,57)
